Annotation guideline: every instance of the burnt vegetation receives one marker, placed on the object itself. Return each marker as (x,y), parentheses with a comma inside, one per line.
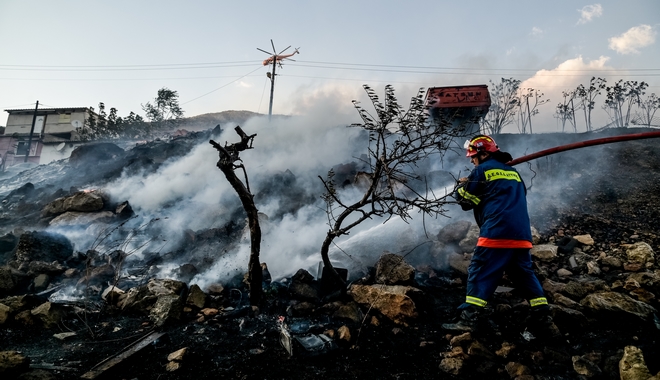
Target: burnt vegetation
(136,311)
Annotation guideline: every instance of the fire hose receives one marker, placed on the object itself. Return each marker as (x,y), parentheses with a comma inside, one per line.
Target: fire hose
(582,144)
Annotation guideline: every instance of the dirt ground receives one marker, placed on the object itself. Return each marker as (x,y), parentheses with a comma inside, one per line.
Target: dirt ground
(619,207)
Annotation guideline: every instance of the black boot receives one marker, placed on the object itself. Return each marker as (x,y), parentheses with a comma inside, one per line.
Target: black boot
(541,324)
(467,321)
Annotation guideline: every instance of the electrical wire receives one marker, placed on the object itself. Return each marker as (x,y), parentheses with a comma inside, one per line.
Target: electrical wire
(224,85)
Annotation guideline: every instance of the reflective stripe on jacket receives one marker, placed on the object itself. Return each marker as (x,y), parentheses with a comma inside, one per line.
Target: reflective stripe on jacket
(497,195)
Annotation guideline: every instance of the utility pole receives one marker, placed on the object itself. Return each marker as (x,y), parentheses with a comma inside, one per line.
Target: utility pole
(276,59)
(34,120)
(272,89)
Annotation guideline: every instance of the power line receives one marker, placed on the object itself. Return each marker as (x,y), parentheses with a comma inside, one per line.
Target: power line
(224,85)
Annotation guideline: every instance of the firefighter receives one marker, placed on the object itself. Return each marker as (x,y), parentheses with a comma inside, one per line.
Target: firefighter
(497,195)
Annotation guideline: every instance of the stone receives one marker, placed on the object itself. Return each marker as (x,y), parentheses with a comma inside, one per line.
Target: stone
(477,349)
(13,363)
(43,246)
(585,367)
(393,301)
(515,369)
(460,340)
(593,268)
(617,303)
(303,291)
(5,312)
(611,261)
(544,252)
(584,239)
(632,365)
(350,311)
(76,218)
(111,294)
(64,335)
(41,282)
(458,262)
(344,333)
(215,289)
(468,243)
(7,282)
(452,366)
(392,269)
(640,253)
(172,366)
(454,232)
(83,201)
(196,297)
(506,350)
(49,314)
(562,272)
(160,287)
(166,310)
(178,355)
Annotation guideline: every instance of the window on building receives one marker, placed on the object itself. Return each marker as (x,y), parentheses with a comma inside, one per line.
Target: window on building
(65,118)
(21,148)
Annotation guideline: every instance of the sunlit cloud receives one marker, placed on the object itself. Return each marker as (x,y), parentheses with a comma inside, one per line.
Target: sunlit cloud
(536,31)
(635,38)
(589,12)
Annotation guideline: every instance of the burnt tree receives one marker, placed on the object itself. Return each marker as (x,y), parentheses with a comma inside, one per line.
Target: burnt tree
(399,141)
(229,156)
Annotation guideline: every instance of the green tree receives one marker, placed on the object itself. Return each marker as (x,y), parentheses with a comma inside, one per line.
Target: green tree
(165,112)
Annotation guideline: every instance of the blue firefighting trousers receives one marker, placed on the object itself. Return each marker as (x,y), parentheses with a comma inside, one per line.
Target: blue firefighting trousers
(486,270)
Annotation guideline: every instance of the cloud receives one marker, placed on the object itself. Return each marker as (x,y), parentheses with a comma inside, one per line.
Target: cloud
(566,76)
(636,37)
(536,31)
(589,12)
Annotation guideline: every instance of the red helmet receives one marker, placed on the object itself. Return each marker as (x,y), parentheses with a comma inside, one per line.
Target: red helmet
(481,143)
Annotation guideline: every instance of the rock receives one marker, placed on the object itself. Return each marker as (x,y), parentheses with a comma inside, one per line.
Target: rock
(468,243)
(215,289)
(7,282)
(593,268)
(172,366)
(41,282)
(562,272)
(49,314)
(617,303)
(196,297)
(460,263)
(178,355)
(137,299)
(562,300)
(349,311)
(477,349)
(394,302)
(43,246)
(536,236)
(64,335)
(460,340)
(506,350)
(5,312)
(585,367)
(544,252)
(38,267)
(452,366)
(76,218)
(454,232)
(391,269)
(344,333)
(98,275)
(303,291)
(632,366)
(611,261)
(302,276)
(82,201)
(112,294)
(160,287)
(13,363)
(640,253)
(515,369)
(166,310)
(95,152)
(648,280)
(584,239)
(301,309)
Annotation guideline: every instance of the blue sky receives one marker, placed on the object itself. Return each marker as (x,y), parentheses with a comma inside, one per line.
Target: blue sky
(79,53)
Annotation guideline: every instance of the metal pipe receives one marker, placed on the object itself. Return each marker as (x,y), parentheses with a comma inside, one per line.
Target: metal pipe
(563,148)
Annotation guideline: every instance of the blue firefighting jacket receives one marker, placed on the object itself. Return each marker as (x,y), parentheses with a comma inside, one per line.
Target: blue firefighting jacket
(497,195)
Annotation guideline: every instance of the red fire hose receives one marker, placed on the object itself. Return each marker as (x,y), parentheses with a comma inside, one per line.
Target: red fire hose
(562,148)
